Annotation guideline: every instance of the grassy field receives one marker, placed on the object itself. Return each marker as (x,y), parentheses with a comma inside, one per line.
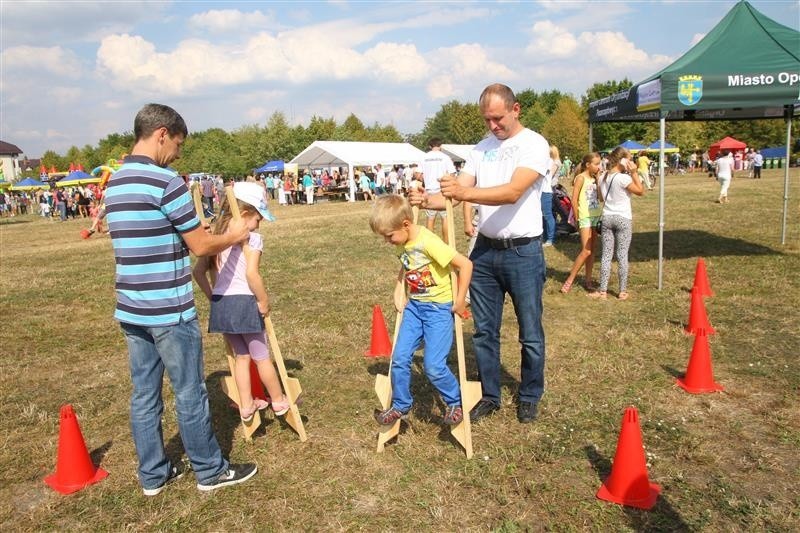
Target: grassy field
(727,461)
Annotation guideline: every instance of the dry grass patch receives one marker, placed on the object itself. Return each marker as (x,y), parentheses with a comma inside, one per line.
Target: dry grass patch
(726,461)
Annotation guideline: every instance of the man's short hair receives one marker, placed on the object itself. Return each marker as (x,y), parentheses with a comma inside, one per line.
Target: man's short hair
(504,92)
(154,116)
(434,142)
(389,213)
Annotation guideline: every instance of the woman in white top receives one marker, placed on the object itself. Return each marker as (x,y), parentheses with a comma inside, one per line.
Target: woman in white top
(616,187)
(724,174)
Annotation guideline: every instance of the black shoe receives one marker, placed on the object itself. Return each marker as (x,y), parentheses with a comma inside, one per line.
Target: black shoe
(233,475)
(526,412)
(483,409)
(175,472)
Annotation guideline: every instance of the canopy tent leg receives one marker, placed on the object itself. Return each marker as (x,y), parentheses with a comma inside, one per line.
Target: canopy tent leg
(591,135)
(786,173)
(351,182)
(663,128)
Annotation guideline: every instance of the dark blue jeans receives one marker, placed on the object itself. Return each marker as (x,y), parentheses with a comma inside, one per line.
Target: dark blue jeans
(548,218)
(178,350)
(520,272)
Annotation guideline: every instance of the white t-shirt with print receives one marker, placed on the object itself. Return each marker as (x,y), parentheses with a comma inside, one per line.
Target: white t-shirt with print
(493,162)
(433,166)
(615,193)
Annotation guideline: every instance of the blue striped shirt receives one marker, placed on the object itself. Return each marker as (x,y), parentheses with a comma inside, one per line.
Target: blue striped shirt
(147,208)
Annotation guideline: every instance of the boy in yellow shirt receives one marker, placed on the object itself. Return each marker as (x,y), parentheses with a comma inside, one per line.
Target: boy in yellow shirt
(428,314)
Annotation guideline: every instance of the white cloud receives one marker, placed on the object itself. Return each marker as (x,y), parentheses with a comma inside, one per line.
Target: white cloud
(696,38)
(65,95)
(400,62)
(551,41)
(231,20)
(52,60)
(463,67)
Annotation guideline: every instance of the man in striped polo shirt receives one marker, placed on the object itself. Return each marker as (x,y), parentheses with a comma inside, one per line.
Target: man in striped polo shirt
(154,226)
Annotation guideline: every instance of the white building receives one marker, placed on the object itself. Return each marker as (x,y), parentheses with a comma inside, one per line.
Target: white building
(9,161)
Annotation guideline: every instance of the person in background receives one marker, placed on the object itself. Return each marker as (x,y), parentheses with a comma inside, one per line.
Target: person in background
(549,220)
(725,166)
(433,166)
(586,203)
(615,189)
(758,163)
(643,164)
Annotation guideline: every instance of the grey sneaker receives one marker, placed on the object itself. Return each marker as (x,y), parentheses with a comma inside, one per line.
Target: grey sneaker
(175,472)
(453,415)
(233,475)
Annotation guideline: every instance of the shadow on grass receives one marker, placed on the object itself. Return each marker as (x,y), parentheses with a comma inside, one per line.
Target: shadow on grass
(662,517)
(674,372)
(9,221)
(685,244)
(100,452)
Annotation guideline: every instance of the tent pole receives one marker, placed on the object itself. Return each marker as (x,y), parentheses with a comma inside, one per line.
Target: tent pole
(661,174)
(786,172)
(351,183)
(591,131)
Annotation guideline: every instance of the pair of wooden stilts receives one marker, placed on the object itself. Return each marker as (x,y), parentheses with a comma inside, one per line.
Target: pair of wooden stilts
(471,391)
(291,386)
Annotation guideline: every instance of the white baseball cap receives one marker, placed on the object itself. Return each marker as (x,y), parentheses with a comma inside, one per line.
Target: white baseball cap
(253,194)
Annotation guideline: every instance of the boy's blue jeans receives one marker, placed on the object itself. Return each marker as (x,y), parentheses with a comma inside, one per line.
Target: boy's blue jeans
(433,323)
(179,350)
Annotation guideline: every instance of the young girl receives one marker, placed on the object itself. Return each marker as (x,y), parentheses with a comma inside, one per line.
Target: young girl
(239,301)
(587,205)
(621,180)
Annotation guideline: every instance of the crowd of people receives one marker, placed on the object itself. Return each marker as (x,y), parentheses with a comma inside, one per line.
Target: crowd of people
(57,203)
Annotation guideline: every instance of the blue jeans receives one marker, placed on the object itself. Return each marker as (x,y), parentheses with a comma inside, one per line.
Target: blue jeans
(549,219)
(62,211)
(179,350)
(520,272)
(432,323)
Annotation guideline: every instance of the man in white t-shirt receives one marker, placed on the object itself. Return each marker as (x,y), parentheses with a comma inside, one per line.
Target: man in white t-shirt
(502,176)
(380,180)
(433,166)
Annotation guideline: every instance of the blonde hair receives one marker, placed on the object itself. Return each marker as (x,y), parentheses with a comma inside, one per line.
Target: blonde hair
(554,152)
(617,155)
(583,165)
(389,213)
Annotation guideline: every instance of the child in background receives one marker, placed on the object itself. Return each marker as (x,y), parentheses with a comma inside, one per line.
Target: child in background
(239,301)
(587,204)
(428,314)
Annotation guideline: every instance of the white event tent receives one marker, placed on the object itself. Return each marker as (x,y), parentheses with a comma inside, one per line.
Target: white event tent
(356,154)
(458,152)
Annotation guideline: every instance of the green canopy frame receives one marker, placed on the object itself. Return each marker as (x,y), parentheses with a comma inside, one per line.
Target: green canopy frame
(746,67)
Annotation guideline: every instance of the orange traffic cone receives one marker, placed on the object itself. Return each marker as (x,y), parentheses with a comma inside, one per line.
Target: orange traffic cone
(699,377)
(74,467)
(701,284)
(628,483)
(698,319)
(256,387)
(380,345)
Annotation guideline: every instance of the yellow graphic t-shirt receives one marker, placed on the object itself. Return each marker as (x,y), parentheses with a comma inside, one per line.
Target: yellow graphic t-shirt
(426,261)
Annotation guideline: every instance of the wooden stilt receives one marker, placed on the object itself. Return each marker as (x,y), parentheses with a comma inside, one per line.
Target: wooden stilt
(383,388)
(232,391)
(291,386)
(471,391)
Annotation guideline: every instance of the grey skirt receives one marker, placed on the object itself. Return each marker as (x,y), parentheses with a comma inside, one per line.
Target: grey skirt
(235,313)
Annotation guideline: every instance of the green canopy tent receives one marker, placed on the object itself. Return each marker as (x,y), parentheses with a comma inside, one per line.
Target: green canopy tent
(746,67)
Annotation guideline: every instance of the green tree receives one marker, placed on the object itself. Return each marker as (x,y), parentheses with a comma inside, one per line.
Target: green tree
(609,134)
(534,117)
(567,128)
(52,159)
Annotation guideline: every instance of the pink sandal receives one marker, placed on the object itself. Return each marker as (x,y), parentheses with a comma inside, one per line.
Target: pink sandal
(282,407)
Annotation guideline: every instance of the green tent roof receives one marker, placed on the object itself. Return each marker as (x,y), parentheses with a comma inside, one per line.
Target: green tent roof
(747,66)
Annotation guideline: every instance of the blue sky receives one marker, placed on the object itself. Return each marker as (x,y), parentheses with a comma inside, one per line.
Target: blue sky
(73,72)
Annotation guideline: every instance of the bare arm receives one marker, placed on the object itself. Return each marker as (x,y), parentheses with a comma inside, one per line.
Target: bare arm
(202,243)
(576,191)
(464,267)
(469,228)
(254,280)
(200,272)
